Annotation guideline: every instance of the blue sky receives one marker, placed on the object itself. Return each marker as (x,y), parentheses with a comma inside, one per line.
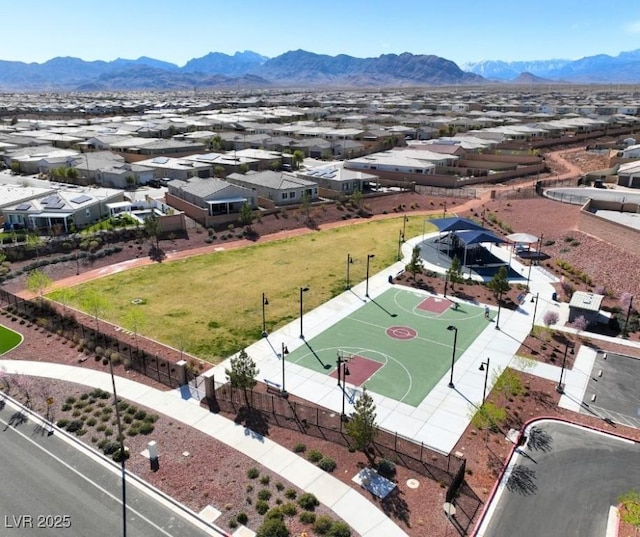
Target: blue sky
(176,31)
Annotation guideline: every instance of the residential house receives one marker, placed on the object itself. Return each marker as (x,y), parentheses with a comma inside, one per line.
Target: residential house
(629,174)
(280,187)
(209,201)
(176,168)
(65,208)
(338,178)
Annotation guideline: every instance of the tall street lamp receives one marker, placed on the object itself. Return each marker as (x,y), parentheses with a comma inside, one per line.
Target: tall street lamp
(400,240)
(453,353)
(343,371)
(265,302)
(484,366)
(366,292)
(535,309)
(285,351)
(302,290)
(626,321)
(498,315)
(349,263)
(123,454)
(560,387)
(405,219)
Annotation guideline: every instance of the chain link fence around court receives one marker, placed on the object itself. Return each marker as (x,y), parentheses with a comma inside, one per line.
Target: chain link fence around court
(327,424)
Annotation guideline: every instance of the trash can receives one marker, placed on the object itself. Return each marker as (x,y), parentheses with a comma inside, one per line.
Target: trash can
(554,297)
(390,278)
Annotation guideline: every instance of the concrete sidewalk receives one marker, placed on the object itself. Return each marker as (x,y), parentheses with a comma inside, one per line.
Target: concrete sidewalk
(362,515)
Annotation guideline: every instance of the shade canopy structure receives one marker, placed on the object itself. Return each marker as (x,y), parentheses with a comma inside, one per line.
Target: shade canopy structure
(470,237)
(522,238)
(455,224)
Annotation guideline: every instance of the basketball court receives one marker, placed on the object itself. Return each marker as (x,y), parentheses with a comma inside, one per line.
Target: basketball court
(397,345)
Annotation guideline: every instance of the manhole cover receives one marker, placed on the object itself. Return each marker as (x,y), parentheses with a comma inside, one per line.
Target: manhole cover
(413,483)
(137,301)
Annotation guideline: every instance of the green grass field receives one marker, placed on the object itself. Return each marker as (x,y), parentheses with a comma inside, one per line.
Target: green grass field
(211,305)
(410,368)
(8,339)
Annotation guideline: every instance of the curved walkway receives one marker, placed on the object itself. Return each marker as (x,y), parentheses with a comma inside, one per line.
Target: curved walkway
(362,515)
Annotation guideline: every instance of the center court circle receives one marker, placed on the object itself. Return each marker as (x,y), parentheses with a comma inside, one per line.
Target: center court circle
(401,332)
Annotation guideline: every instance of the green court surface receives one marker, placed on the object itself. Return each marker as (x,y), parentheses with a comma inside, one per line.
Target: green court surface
(8,339)
(398,343)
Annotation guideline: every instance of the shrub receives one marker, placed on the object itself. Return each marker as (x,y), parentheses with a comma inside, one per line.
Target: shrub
(242,517)
(289,509)
(233,523)
(253,473)
(264,480)
(91,422)
(323,524)
(109,448)
(74,426)
(140,415)
(327,464)
(273,527)
(145,428)
(264,495)
(279,486)
(550,317)
(308,501)
(339,529)
(299,448)
(386,468)
(276,512)
(307,517)
(290,494)
(62,423)
(314,456)
(262,507)
(66,407)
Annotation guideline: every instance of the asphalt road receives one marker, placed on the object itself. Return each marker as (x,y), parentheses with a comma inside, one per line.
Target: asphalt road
(51,488)
(566,486)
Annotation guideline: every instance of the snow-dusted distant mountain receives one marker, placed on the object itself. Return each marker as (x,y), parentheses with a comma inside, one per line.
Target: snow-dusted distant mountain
(601,68)
(500,70)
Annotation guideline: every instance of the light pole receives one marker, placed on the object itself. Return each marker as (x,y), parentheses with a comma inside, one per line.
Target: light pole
(400,240)
(405,219)
(453,353)
(349,262)
(302,290)
(445,210)
(343,371)
(560,387)
(123,455)
(265,302)
(498,315)
(285,351)
(626,321)
(484,366)
(535,308)
(366,291)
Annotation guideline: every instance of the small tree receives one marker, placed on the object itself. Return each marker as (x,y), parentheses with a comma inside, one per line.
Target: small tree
(454,272)
(34,241)
(356,199)
(297,158)
(499,284)
(153,228)
(96,304)
(630,509)
(134,320)
(415,266)
(219,171)
(242,373)
(362,426)
(245,216)
(305,206)
(580,324)
(550,317)
(38,282)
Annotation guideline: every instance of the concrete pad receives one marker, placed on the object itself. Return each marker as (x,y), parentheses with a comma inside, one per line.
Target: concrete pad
(302,473)
(209,514)
(243,531)
(327,490)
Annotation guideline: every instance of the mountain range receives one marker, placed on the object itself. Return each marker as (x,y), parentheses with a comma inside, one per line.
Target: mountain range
(306,70)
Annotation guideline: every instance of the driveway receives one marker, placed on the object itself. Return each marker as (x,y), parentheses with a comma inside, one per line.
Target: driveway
(563,483)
